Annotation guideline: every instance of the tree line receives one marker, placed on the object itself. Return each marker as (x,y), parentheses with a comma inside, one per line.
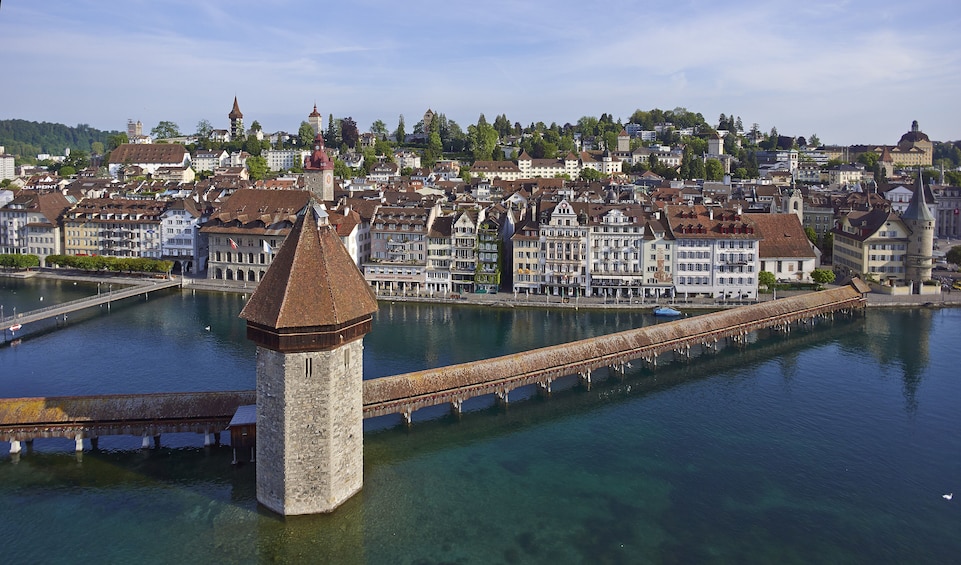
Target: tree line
(27,139)
(114,264)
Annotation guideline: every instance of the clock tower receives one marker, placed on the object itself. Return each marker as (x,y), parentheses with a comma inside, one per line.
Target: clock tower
(319,172)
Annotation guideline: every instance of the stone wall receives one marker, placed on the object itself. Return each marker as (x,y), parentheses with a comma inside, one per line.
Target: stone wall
(309,428)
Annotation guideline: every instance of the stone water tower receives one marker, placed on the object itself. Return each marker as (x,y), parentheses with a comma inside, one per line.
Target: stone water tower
(308,318)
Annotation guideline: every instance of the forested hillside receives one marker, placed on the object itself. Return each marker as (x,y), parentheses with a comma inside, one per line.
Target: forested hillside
(27,139)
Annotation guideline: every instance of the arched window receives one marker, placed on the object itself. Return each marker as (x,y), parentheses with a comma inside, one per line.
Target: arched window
(240,274)
(251,276)
(219,273)
(230,275)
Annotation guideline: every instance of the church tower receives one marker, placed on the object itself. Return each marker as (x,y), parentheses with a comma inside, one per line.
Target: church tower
(319,171)
(918,218)
(237,130)
(308,318)
(316,121)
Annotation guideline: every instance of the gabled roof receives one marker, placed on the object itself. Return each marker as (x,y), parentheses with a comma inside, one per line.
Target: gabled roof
(312,282)
(163,153)
(782,235)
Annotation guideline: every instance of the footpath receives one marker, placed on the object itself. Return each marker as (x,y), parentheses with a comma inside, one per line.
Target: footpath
(947,298)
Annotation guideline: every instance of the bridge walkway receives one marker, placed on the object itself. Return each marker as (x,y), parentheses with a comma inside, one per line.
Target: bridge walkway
(60,310)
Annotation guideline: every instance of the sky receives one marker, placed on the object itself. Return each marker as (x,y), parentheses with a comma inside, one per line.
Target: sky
(851,72)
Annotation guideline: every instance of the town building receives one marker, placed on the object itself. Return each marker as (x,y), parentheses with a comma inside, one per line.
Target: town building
(716,252)
(247,231)
(114,227)
(30,223)
(181,240)
(148,157)
(784,250)
(8,168)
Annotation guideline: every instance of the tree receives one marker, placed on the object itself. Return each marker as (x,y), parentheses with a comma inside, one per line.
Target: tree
(812,235)
(379,128)
(97,148)
(257,167)
(400,134)
(713,170)
(954,255)
(814,140)
(305,134)
(481,140)
(766,278)
(348,132)
(67,171)
(252,146)
(165,130)
(822,276)
(204,129)
(116,140)
(590,174)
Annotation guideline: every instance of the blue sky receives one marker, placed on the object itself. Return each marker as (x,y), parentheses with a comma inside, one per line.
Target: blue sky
(851,72)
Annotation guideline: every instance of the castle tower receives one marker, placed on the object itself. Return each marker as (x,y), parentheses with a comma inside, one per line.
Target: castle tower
(319,171)
(918,218)
(236,122)
(715,144)
(316,121)
(308,318)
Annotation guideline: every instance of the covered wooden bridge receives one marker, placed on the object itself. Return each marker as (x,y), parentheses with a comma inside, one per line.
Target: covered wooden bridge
(144,415)
(208,413)
(403,394)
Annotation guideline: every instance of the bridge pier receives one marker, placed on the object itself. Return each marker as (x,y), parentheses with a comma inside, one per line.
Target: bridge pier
(78,442)
(457,407)
(208,439)
(145,444)
(14,447)
(503,397)
(94,443)
(544,388)
(156,441)
(585,379)
(408,416)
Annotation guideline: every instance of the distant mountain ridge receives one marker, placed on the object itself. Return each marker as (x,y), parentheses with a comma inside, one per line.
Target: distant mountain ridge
(27,139)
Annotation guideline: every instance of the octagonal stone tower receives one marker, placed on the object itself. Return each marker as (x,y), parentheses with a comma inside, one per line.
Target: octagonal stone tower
(308,318)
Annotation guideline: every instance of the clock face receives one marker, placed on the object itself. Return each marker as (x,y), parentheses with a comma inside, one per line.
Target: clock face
(328,177)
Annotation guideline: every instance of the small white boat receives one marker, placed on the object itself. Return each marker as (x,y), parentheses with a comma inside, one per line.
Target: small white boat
(666,311)
(15,327)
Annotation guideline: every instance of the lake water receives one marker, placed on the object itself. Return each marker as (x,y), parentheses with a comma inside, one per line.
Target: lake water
(832,445)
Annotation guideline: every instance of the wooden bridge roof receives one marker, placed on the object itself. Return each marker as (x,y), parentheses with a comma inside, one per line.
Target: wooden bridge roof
(613,346)
(121,408)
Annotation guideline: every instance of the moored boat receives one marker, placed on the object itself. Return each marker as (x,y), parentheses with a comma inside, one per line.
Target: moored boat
(666,311)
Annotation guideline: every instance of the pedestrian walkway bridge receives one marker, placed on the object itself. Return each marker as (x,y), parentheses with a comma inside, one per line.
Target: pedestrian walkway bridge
(60,311)
(23,419)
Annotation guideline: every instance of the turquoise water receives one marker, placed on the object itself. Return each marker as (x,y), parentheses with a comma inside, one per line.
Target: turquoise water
(826,446)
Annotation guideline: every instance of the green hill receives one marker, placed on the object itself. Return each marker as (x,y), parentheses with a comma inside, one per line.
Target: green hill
(27,139)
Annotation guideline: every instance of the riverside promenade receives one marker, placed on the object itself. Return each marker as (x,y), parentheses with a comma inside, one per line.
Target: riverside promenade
(946,298)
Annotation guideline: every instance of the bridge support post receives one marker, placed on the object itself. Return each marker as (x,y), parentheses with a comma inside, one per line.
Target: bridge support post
(408,415)
(457,406)
(208,439)
(145,444)
(156,441)
(14,447)
(585,378)
(544,388)
(94,443)
(78,442)
(503,397)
